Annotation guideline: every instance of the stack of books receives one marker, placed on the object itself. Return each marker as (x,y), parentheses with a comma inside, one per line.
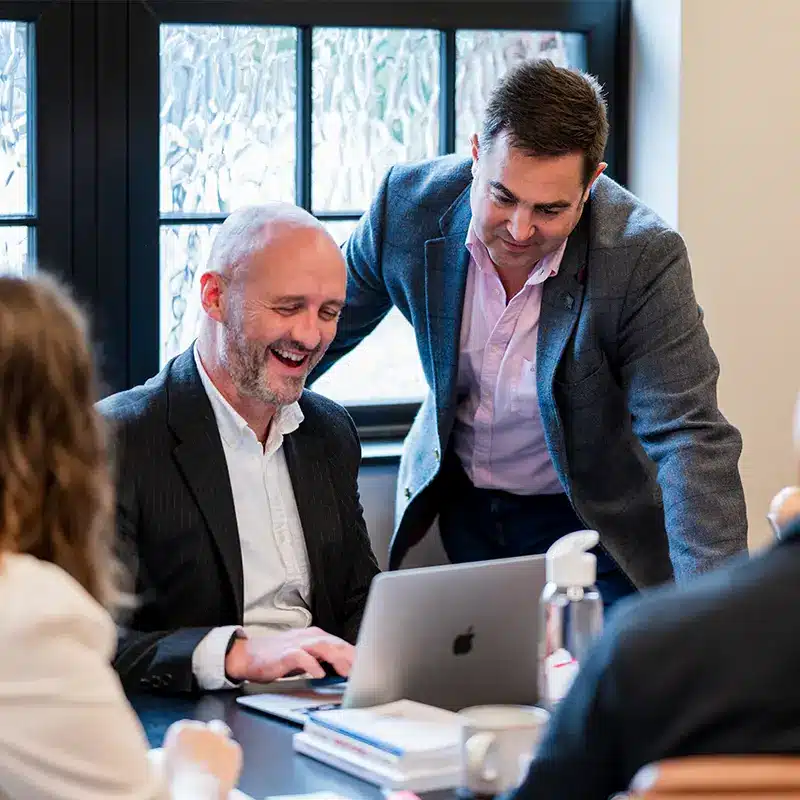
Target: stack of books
(400,745)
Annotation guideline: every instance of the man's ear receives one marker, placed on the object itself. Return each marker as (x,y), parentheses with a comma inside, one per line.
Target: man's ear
(212,288)
(601,168)
(474,148)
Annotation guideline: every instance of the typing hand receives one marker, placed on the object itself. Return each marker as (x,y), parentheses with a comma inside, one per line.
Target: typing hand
(201,760)
(262,659)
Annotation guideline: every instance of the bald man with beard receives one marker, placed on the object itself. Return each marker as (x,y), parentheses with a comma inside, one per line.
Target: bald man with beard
(238,509)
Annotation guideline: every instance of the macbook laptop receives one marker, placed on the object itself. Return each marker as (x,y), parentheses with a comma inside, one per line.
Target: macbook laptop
(451,636)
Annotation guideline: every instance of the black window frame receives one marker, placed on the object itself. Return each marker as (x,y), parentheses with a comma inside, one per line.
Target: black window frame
(49,136)
(604,23)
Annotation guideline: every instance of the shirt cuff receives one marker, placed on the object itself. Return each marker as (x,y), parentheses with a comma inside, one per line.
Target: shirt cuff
(208,659)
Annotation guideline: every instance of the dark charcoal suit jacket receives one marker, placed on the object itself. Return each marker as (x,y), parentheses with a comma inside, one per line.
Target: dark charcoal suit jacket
(177,523)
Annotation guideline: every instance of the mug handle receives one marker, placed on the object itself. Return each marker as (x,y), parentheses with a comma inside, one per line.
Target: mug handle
(478,746)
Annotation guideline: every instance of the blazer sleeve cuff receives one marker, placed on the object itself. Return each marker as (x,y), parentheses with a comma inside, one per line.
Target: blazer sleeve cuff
(208,658)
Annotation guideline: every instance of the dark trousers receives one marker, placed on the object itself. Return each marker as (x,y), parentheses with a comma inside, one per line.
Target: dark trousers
(485,524)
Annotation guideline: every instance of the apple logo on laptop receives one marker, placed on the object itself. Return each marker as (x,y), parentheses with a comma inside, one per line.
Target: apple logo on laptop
(462,644)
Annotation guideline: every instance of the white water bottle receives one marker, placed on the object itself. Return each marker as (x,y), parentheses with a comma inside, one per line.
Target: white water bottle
(571,614)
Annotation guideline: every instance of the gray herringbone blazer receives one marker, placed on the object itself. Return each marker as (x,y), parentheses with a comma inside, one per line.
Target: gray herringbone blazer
(177,522)
(625,373)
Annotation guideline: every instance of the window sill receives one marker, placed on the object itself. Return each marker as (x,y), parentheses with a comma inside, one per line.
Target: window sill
(380,452)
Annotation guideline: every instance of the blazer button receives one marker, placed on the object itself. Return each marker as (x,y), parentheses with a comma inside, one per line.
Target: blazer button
(408,493)
(145,681)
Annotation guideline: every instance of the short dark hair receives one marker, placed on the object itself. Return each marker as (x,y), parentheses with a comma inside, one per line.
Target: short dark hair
(547,110)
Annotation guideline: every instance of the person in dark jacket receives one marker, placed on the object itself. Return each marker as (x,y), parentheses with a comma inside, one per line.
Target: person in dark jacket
(705,669)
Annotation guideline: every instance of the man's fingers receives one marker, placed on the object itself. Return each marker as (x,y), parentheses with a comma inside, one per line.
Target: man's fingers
(299,651)
(301,660)
(338,655)
(291,661)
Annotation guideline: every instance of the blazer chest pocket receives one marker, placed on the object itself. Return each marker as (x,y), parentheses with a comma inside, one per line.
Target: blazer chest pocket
(589,387)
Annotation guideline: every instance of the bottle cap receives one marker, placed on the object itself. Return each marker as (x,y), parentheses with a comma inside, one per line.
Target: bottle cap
(568,564)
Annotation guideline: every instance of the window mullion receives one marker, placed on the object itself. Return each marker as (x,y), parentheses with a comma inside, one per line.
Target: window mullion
(303,121)
(447,92)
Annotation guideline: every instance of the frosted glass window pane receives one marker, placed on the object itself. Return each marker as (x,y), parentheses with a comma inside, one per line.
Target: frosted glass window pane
(483,57)
(375,103)
(14,250)
(227,116)
(341,229)
(184,254)
(14,97)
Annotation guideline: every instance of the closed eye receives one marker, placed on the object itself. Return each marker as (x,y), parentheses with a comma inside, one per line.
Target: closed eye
(287,311)
(503,200)
(330,314)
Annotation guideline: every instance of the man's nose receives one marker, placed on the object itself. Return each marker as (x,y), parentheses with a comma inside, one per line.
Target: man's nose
(520,226)
(306,330)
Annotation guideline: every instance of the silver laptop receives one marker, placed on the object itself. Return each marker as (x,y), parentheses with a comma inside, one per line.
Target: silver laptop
(450,636)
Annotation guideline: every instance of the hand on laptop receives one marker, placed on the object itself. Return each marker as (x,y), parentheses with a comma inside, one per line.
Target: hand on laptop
(262,659)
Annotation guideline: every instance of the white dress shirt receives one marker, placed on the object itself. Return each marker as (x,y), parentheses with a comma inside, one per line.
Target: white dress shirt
(67,731)
(277,584)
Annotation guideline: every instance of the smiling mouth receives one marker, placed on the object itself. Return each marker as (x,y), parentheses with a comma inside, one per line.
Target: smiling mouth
(289,359)
(516,245)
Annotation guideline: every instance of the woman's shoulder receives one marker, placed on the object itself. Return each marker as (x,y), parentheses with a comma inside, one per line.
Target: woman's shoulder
(38,599)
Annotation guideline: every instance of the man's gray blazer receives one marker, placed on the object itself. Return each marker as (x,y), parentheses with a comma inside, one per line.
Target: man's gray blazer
(625,374)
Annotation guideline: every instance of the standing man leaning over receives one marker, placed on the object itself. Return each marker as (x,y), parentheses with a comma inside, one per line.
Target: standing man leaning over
(237,491)
(571,379)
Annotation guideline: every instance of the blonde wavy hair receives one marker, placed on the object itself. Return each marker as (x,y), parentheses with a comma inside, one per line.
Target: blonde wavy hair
(56,493)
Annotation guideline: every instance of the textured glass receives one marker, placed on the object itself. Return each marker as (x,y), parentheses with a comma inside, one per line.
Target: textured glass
(227,116)
(14,96)
(184,253)
(14,250)
(341,229)
(483,57)
(384,368)
(375,103)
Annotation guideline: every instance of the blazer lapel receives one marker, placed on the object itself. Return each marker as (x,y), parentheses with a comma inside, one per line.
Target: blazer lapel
(446,262)
(562,296)
(201,460)
(307,463)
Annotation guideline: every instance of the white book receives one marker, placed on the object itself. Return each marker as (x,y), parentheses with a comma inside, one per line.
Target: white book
(376,772)
(403,729)
(404,745)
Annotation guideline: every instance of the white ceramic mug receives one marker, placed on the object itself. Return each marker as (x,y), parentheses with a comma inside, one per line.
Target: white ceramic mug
(497,744)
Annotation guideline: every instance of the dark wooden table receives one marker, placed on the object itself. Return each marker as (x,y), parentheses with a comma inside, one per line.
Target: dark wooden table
(271,767)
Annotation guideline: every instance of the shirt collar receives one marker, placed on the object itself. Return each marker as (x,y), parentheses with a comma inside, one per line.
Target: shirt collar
(232,426)
(545,268)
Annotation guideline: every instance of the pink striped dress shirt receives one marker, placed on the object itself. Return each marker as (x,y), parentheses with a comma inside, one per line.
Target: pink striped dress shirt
(498,434)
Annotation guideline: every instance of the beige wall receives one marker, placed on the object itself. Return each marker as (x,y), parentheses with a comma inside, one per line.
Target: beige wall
(736,139)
